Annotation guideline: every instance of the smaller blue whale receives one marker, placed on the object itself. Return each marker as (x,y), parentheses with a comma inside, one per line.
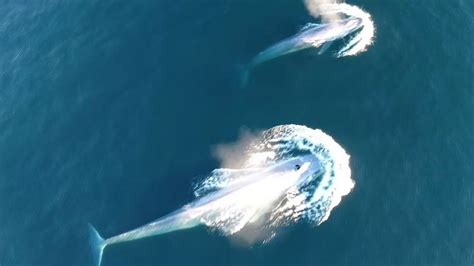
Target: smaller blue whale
(313,35)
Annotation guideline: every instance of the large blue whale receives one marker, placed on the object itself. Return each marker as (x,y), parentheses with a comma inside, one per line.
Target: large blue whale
(253,191)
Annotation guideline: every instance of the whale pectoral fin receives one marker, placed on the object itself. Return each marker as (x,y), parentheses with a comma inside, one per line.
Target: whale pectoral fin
(324,47)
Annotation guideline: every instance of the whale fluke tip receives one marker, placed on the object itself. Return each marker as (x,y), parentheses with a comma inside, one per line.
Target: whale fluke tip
(97,243)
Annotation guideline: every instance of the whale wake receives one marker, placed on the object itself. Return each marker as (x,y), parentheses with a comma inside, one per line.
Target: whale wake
(309,200)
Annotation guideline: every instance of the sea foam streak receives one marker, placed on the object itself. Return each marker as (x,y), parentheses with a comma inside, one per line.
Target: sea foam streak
(286,174)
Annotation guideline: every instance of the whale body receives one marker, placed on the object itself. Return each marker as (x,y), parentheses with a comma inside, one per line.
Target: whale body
(255,191)
(313,35)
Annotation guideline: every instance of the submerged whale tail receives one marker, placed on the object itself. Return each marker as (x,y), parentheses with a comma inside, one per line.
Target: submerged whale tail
(244,75)
(98,245)
(244,78)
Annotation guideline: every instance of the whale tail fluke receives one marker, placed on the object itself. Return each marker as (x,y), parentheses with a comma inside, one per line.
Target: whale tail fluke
(98,245)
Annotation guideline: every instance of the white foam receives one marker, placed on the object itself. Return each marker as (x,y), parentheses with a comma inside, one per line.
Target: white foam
(290,199)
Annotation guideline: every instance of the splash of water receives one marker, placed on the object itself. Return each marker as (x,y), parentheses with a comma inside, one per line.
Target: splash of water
(316,9)
(329,10)
(311,200)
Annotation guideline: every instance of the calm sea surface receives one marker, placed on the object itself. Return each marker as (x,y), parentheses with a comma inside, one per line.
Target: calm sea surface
(109,110)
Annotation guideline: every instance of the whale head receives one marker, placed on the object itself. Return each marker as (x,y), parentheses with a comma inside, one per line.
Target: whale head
(352,24)
(331,31)
(306,166)
(303,166)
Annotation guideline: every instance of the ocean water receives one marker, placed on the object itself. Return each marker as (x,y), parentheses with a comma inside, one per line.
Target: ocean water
(110,109)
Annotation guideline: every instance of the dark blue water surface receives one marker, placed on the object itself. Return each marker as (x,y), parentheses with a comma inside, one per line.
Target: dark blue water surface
(109,110)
